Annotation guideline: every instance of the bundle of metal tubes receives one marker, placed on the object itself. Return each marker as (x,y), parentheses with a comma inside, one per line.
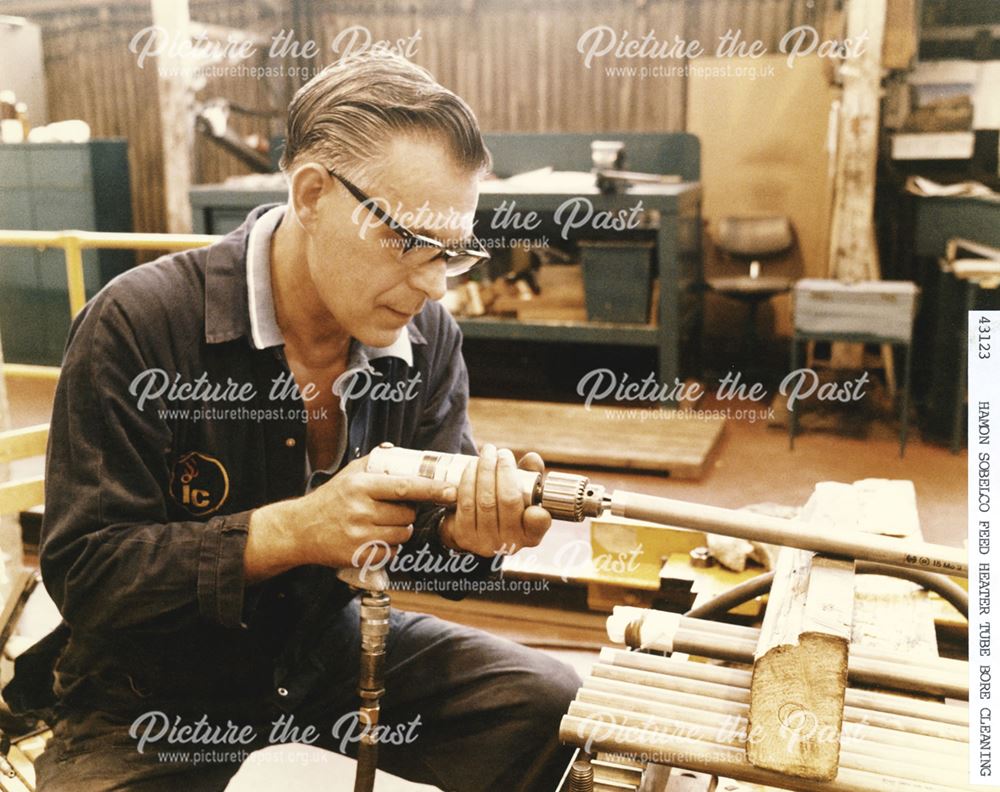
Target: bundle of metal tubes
(694,716)
(654,630)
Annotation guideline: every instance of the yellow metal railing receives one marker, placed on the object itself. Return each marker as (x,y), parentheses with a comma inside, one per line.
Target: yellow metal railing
(73,243)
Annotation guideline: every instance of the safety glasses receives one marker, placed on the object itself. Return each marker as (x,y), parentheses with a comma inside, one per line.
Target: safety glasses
(417,249)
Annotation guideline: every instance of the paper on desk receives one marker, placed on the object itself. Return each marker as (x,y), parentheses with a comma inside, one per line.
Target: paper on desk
(543,180)
(918,185)
(976,269)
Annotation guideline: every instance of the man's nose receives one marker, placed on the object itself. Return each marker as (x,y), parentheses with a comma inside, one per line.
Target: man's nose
(430,279)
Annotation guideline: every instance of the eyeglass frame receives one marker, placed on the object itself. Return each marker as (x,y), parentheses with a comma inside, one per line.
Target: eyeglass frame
(411,239)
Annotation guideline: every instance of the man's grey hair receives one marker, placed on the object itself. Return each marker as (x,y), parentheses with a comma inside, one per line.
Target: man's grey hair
(345,116)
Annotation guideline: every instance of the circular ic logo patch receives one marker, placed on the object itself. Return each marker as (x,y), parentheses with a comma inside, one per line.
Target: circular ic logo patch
(199,483)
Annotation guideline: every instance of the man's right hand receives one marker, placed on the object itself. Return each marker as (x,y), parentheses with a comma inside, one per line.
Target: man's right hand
(354,511)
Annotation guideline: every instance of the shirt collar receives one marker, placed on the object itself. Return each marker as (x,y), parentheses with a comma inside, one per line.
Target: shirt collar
(262,327)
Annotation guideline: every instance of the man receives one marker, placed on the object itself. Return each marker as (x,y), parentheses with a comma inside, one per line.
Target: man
(194,521)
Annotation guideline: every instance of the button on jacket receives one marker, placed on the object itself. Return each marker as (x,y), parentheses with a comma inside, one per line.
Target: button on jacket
(173,420)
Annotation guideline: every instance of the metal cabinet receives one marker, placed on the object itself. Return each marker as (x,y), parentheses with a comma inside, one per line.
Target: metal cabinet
(55,187)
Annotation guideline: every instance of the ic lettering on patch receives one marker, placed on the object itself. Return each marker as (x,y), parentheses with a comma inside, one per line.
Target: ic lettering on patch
(199,483)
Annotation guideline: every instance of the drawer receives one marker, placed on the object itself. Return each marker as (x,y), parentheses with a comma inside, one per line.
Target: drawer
(61,210)
(15,208)
(14,166)
(60,166)
(18,267)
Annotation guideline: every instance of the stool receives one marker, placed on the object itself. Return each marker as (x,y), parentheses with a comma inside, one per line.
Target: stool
(867,312)
(749,247)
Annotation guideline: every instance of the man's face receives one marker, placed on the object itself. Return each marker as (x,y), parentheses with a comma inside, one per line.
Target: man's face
(354,260)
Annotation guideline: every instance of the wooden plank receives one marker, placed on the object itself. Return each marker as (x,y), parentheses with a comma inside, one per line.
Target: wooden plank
(852,255)
(529,624)
(175,114)
(800,667)
(901,38)
(657,440)
(16,496)
(23,443)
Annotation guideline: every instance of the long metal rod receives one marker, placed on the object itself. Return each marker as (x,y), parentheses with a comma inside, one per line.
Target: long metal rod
(857,752)
(792,533)
(665,632)
(706,711)
(860,670)
(937,664)
(74,242)
(727,760)
(740,696)
(863,699)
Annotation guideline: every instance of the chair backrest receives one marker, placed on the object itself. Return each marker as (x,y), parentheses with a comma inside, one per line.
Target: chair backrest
(15,496)
(738,240)
(753,237)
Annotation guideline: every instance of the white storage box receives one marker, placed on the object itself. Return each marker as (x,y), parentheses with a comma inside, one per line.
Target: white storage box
(878,308)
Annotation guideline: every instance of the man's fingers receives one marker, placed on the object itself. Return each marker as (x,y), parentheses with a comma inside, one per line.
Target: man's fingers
(510,501)
(536,522)
(465,512)
(406,488)
(532,461)
(487,525)
(392,534)
(387,513)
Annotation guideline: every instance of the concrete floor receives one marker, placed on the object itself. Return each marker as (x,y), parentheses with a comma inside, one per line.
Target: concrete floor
(753,465)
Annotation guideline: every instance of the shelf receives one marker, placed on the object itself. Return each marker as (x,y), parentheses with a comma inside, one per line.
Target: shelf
(582,332)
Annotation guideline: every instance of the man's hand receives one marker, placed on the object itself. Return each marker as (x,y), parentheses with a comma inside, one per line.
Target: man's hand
(354,513)
(490,516)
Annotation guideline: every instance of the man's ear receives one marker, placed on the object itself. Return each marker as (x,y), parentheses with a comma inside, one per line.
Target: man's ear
(307,187)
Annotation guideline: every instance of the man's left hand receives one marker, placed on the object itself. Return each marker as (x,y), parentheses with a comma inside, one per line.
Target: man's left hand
(490,516)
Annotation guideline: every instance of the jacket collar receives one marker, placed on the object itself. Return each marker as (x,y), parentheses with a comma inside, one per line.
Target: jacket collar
(231,288)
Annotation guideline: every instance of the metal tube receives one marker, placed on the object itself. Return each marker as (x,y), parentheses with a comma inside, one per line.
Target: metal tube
(105,239)
(729,761)
(862,699)
(791,533)
(374,631)
(942,585)
(856,753)
(669,632)
(635,683)
(74,274)
(706,712)
(943,665)
(894,674)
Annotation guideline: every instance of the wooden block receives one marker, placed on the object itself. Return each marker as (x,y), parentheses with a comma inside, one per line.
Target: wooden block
(23,443)
(16,496)
(800,667)
(612,437)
